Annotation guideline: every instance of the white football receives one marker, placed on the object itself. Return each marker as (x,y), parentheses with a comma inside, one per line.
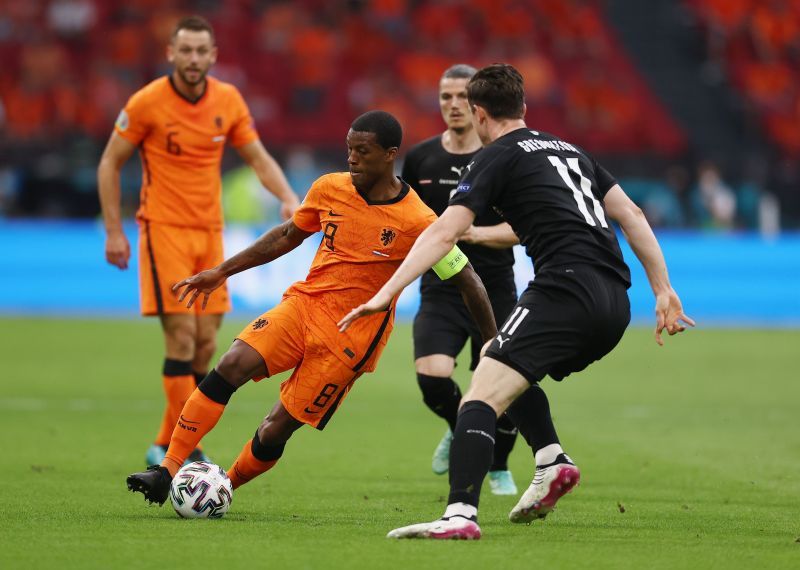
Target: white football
(201,490)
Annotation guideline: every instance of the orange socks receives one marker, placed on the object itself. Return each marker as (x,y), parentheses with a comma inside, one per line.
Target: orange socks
(198,417)
(178,381)
(177,389)
(247,467)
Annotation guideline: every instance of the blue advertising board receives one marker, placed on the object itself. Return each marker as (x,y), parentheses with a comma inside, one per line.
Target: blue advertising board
(58,268)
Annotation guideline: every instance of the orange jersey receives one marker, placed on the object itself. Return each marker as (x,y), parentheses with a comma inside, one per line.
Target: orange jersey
(362,246)
(181,145)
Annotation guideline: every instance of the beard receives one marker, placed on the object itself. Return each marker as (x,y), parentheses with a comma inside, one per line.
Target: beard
(201,76)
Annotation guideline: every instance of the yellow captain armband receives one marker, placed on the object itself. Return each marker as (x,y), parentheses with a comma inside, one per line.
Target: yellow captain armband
(451,264)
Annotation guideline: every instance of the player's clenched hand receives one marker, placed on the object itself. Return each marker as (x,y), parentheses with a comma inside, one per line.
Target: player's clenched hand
(374,305)
(118,250)
(204,282)
(669,314)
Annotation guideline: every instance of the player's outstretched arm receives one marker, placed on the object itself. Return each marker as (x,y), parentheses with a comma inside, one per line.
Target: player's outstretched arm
(271,245)
(270,175)
(500,236)
(669,310)
(477,300)
(431,246)
(115,155)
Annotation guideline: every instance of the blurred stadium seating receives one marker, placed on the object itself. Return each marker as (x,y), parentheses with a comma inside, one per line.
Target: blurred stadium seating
(307,67)
(757,43)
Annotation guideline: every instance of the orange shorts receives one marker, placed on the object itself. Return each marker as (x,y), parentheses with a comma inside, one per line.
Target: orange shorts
(168,254)
(320,380)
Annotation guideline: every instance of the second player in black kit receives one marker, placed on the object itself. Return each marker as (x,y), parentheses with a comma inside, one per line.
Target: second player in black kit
(443,325)
(434,173)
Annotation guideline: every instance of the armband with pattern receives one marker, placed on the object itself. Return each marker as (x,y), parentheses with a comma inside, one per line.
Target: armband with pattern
(451,264)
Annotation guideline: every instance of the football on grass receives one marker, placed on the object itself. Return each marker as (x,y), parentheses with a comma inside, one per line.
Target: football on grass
(201,490)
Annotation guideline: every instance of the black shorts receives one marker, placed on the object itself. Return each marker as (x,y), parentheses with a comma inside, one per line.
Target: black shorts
(443,324)
(567,318)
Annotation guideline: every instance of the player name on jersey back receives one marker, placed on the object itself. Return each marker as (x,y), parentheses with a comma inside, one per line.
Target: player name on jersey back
(533,145)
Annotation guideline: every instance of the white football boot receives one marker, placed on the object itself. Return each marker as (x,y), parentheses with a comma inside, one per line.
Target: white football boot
(456,527)
(550,483)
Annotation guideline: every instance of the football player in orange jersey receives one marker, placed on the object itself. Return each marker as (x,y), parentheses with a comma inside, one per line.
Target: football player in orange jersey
(180,124)
(369,219)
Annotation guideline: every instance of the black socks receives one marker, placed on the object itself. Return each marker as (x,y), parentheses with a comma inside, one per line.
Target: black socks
(505,436)
(471,452)
(531,414)
(442,396)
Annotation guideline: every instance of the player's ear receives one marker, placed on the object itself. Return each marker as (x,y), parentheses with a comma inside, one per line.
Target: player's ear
(213,55)
(478,114)
(170,53)
(524,110)
(391,153)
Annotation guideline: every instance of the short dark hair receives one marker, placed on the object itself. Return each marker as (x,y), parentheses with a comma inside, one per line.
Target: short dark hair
(459,71)
(195,24)
(498,89)
(387,129)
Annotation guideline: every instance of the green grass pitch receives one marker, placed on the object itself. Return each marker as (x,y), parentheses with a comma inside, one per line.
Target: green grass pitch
(690,458)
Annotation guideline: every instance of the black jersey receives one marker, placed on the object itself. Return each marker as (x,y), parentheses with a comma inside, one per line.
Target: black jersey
(434,173)
(551,193)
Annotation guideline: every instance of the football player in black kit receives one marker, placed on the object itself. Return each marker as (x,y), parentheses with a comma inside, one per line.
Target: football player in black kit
(443,325)
(559,201)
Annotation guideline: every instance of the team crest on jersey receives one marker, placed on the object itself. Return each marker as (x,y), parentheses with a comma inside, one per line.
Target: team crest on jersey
(387,236)
(260,324)
(122,121)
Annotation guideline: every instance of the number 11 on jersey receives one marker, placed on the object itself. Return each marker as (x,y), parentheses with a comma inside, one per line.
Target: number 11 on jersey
(586,189)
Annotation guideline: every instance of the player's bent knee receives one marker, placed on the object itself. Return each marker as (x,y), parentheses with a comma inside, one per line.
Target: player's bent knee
(439,365)
(205,349)
(241,363)
(278,426)
(180,344)
(496,384)
(180,336)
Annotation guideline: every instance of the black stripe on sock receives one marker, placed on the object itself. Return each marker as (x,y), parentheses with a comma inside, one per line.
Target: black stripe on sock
(216,388)
(174,367)
(266,452)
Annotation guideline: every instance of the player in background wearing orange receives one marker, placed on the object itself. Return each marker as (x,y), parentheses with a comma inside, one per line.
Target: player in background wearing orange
(369,219)
(180,124)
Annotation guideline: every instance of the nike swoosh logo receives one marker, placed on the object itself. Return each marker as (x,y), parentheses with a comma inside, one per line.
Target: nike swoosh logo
(188,421)
(332,213)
